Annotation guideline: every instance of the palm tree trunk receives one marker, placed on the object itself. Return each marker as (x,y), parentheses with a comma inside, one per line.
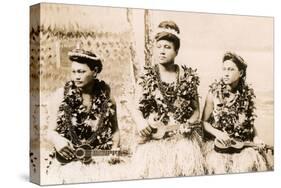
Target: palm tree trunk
(148,38)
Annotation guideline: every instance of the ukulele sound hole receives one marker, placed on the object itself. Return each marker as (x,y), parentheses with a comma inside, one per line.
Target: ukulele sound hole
(80,153)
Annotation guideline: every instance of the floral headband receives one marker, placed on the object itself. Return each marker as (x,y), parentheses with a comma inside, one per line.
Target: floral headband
(87,57)
(167,30)
(83,54)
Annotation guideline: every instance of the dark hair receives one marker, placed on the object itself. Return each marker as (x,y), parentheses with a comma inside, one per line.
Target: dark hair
(86,57)
(169,36)
(93,65)
(240,63)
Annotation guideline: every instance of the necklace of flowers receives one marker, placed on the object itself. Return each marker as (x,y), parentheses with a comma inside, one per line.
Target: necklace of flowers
(169,97)
(73,113)
(228,113)
(186,91)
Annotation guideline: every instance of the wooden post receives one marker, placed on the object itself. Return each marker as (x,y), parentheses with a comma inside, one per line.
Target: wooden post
(134,64)
(148,37)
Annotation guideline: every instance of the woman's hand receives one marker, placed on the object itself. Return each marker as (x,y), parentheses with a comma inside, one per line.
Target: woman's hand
(64,148)
(259,143)
(146,131)
(67,153)
(223,137)
(148,126)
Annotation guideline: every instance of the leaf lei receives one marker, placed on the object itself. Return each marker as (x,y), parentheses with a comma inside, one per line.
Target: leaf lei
(238,118)
(165,99)
(74,121)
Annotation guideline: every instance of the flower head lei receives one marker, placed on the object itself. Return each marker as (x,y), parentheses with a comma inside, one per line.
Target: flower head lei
(73,114)
(167,30)
(164,99)
(236,116)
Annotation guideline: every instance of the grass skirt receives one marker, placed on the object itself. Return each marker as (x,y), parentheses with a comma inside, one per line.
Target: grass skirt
(170,157)
(248,160)
(76,172)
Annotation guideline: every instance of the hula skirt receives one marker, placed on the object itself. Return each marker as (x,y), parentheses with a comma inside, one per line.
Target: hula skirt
(169,157)
(248,160)
(76,172)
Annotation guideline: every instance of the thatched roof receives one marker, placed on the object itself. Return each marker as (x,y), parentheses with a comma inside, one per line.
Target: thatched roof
(81,18)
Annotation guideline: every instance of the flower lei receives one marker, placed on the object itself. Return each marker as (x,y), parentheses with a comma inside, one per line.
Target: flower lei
(78,125)
(236,119)
(163,99)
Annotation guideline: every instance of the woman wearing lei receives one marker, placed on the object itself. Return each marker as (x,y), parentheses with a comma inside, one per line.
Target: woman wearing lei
(229,116)
(86,115)
(168,98)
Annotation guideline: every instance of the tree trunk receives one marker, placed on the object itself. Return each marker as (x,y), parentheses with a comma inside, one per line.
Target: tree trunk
(148,38)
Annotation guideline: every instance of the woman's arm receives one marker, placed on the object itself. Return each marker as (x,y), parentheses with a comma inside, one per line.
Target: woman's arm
(142,125)
(208,109)
(196,113)
(53,106)
(257,140)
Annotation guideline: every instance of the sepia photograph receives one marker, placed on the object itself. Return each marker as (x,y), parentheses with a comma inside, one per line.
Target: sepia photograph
(128,94)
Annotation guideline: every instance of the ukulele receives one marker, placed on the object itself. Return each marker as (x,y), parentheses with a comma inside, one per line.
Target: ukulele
(235,146)
(160,130)
(84,153)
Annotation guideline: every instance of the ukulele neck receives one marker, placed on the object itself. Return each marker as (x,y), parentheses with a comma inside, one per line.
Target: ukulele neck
(104,152)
